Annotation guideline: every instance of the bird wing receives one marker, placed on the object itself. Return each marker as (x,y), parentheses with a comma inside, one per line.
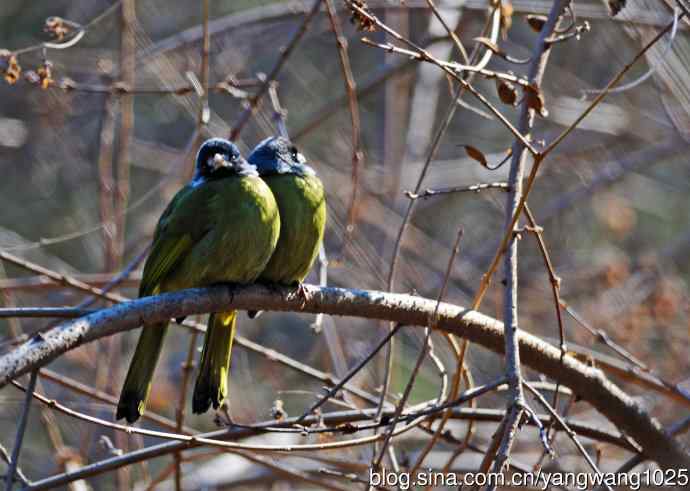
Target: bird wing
(183,223)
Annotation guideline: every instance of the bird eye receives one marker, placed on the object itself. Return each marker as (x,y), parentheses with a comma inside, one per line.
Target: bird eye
(294,153)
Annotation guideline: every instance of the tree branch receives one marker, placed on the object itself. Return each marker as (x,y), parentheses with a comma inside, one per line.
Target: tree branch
(588,383)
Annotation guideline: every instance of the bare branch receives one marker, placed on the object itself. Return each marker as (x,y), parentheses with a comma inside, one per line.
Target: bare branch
(21,428)
(285,54)
(589,383)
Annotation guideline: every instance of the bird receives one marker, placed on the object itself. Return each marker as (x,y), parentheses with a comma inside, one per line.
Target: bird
(302,206)
(221,227)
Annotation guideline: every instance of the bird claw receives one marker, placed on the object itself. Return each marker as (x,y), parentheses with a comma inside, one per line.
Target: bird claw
(223,417)
(303,294)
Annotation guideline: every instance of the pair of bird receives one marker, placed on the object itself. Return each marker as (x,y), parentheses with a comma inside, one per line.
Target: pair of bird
(237,221)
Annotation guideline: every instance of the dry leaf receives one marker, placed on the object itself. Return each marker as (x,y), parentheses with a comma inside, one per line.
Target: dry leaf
(616,6)
(476,154)
(536,22)
(507,92)
(535,100)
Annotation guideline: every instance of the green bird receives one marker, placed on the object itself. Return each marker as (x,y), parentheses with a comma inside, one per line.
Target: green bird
(302,205)
(223,226)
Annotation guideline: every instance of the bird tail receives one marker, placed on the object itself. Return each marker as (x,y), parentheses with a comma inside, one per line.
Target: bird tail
(211,385)
(137,386)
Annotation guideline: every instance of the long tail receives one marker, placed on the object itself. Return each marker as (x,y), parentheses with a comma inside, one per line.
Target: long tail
(211,385)
(137,386)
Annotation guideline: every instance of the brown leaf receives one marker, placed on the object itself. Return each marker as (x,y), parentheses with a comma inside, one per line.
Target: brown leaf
(535,100)
(476,154)
(507,92)
(616,6)
(536,22)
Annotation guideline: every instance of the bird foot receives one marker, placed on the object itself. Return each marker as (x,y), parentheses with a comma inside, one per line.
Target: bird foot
(223,417)
(303,294)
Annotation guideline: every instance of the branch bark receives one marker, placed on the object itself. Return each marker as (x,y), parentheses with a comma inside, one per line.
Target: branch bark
(588,383)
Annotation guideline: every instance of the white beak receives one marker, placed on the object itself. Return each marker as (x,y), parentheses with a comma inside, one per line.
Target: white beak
(218,161)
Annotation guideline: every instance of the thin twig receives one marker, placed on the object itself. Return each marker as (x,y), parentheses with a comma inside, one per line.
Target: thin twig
(351,92)
(459,351)
(254,100)
(555,283)
(230,86)
(518,405)
(564,426)
(457,68)
(210,440)
(121,193)
(486,278)
(448,117)
(100,396)
(356,369)
(451,32)
(18,474)
(279,112)
(233,433)
(127,75)
(187,368)
(433,320)
(118,278)
(459,78)
(650,72)
(106,183)
(15,329)
(676,428)
(204,110)
(474,188)
(608,88)
(59,277)
(21,429)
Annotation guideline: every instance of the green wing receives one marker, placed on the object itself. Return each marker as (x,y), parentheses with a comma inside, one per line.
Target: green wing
(178,229)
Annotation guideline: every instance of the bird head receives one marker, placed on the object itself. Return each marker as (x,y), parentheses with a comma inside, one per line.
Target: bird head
(219,155)
(277,155)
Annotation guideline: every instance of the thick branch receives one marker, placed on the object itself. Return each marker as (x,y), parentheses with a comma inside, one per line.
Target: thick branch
(588,383)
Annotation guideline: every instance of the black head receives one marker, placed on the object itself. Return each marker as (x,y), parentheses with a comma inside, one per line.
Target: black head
(217,155)
(277,155)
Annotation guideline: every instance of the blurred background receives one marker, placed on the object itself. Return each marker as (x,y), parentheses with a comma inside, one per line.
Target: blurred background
(80,196)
